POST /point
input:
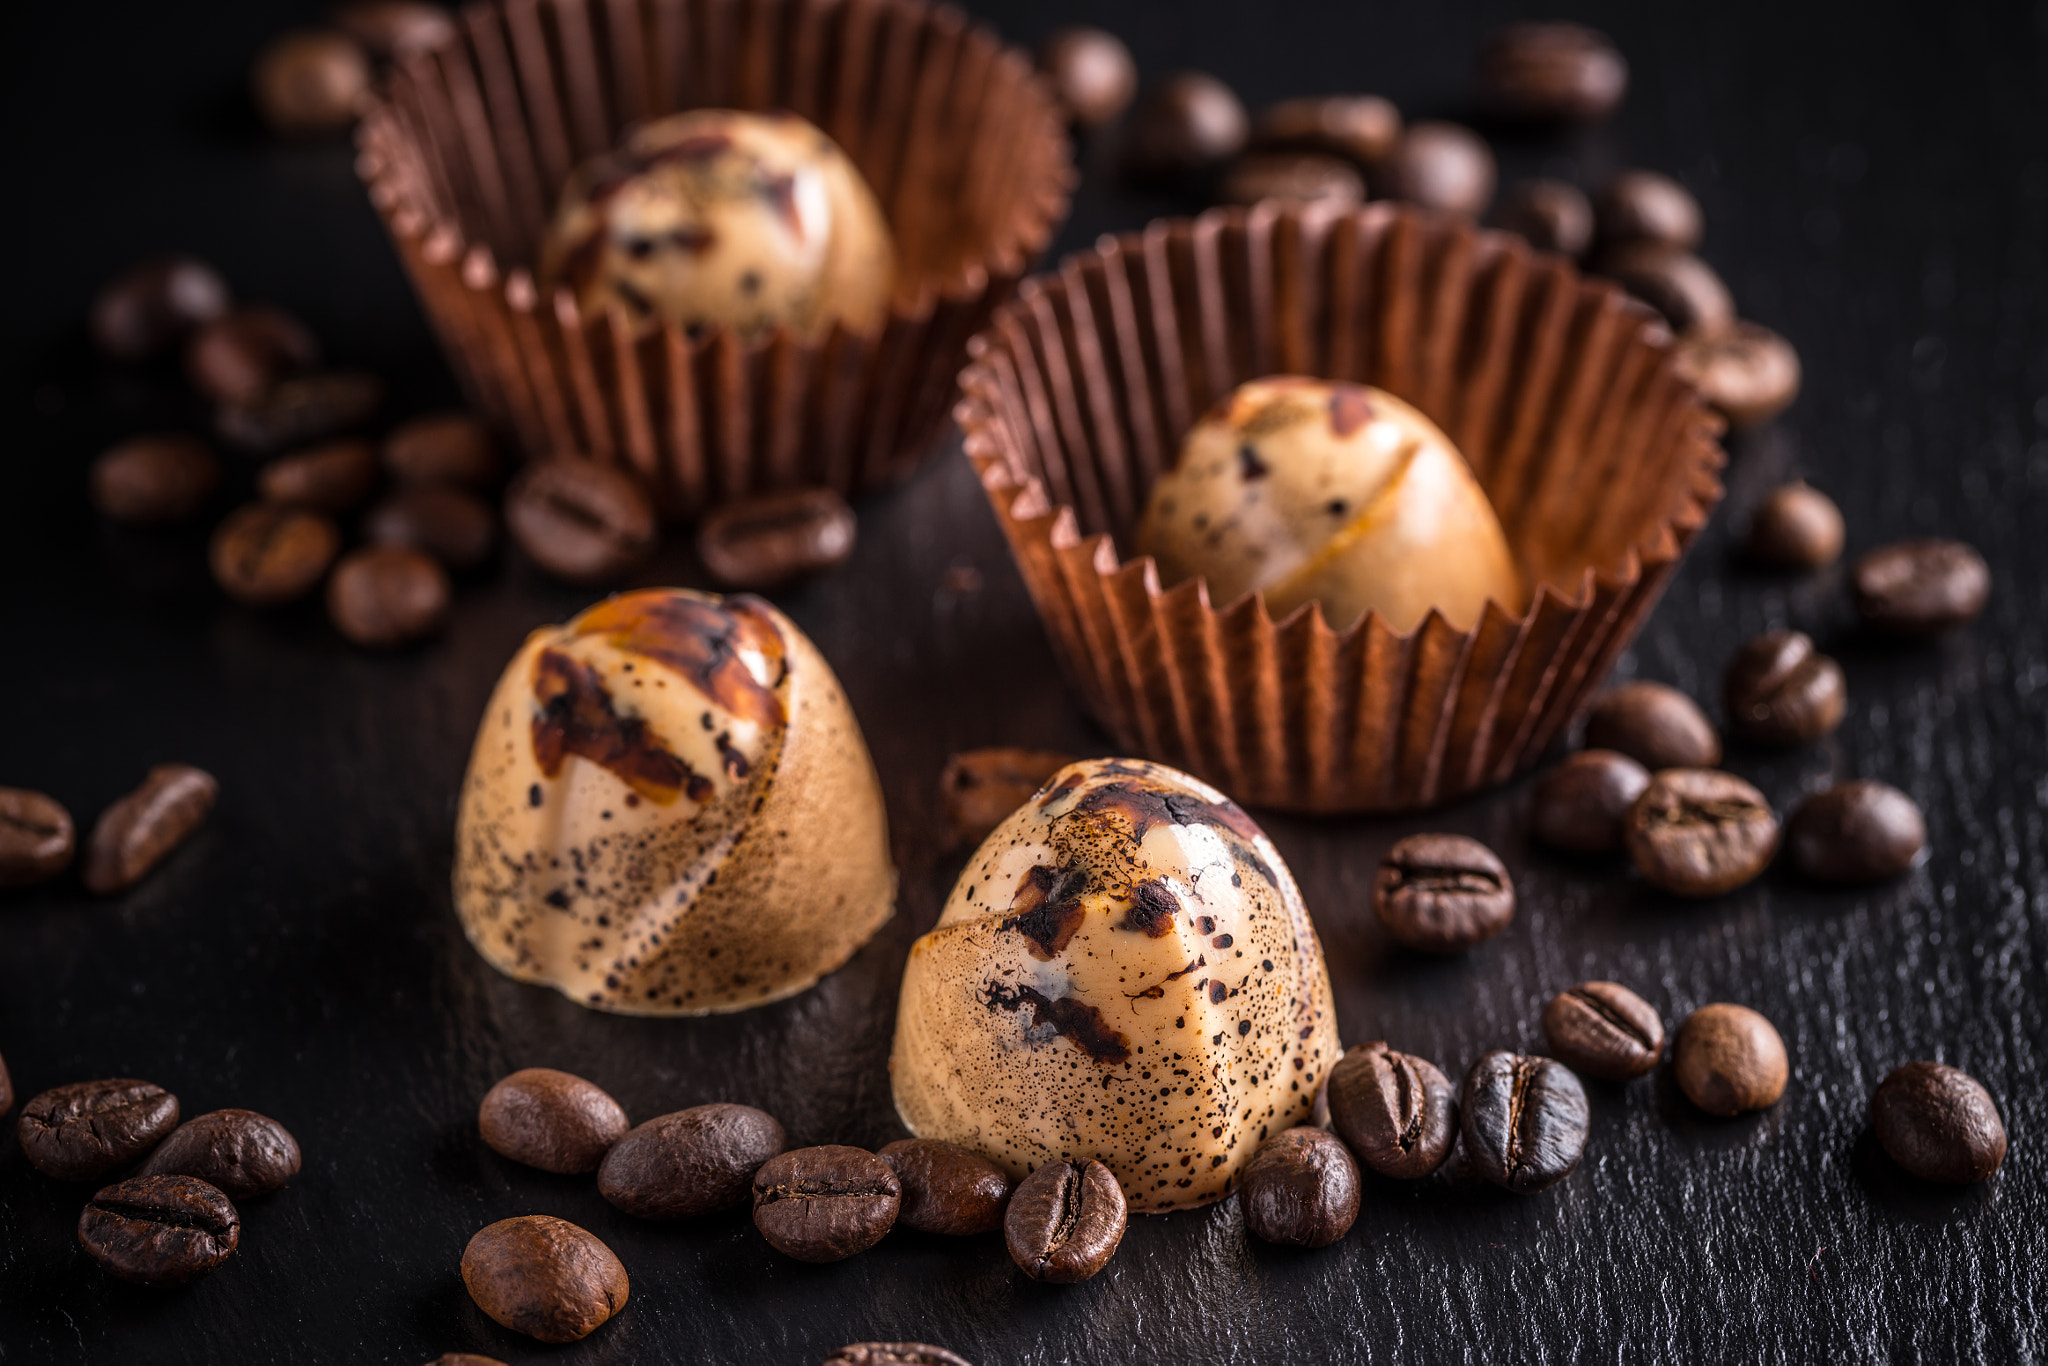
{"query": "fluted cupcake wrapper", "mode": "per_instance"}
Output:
(467, 149)
(1601, 463)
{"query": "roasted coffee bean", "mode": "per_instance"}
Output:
(243, 354)
(1604, 1030)
(159, 1230)
(242, 1153)
(385, 596)
(1298, 177)
(464, 1359)
(1920, 588)
(580, 521)
(455, 527)
(553, 1120)
(1443, 893)
(299, 412)
(151, 480)
(1580, 805)
(1749, 373)
(1550, 214)
(395, 28)
(825, 1204)
(1065, 1221)
(1729, 1059)
(335, 476)
(544, 1277)
(264, 554)
(895, 1354)
(1185, 126)
(83, 1131)
(1361, 128)
(1856, 832)
(1551, 72)
(981, 787)
(1700, 832)
(1656, 725)
(1939, 1123)
(1440, 166)
(689, 1163)
(138, 832)
(1685, 290)
(37, 840)
(149, 307)
(1396, 1111)
(1797, 527)
(308, 83)
(1645, 206)
(1299, 1189)
(6, 1089)
(1780, 690)
(1091, 73)
(947, 1188)
(765, 542)
(1524, 1121)
(442, 448)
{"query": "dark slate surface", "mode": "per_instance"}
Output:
(1876, 183)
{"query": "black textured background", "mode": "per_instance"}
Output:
(1876, 186)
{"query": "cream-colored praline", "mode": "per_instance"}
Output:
(1319, 491)
(1124, 972)
(670, 810)
(718, 217)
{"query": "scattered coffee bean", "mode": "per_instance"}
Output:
(159, 1230)
(455, 527)
(1300, 1188)
(443, 448)
(308, 83)
(1856, 832)
(1580, 805)
(1524, 1121)
(544, 1277)
(1440, 166)
(138, 832)
(1396, 1111)
(1065, 1221)
(265, 555)
(242, 1153)
(1750, 373)
(1550, 214)
(1299, 177)
(1091, 72)
(1939, 1123)
(1604, 1030)
(464, 1359)
(37, 840)
(1920, 588)
(83, 1131)
(1443, 893)
(1656, 725)
(981, 787)
(947, 1188)
(1184, 127)
(689, 1163)
(553, 1120)
(6, 1089)
(1797, 527)
(827, 1203)
(580, 521)
(1551, 72)
(895, 1354)
(385, 596)
(241, 355)
(1685, 290)
(1780, 690)
(149, 307)
(1645, 206)
(335, 476)
(1729, 1059)
(1360, 128)
(1700, 832)
(152, 480)
(765, 542)
(395, 28)
(299, 412)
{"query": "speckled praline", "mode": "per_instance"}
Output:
(670, 810)
(1124, 972)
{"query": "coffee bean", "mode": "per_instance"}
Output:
(1939, 1123)
(385, 596)
(553, 1120)
(982, 787)
(1920, 588)
(1729, 1059)
(689, 1163)
(1604, 1030)
(1065, 1221)
(1797, 527)
(139, 831)
(895, 1354)
(159, 1230)
(83, 1131)
(1780, 690)
(1856, 832)
(1397, 1112)
(307, 83)
(827, 1203)
(1700, 832)
(544, 1277)
(1091, 73)
(455, 527)
(151, 480)
(1300, 1189)
(1298, 177)
(265, 555)
(947, 1188)
(1440, 166)
(1360, 128)
(1550, 214)
(1551, 72)
(1443, 893)
(37, 840)
(1580, 805)
(1644, 206)
(1657, 726)
(395, 28)
(580, 521)
(335, 476)
(1185, 126)
(242, 355)
(6, 1089)
(1750, 373)
(298, 412)
(1684, 290)
(149, 307)
(464, 1359)
(443, 448)
(242, 1153)
(1524, 1121)
(765, 542)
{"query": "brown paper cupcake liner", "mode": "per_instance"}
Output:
(1602, 464)
(467, 149)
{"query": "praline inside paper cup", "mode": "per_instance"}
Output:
(469, 145)
(1602, 464)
